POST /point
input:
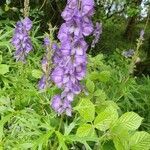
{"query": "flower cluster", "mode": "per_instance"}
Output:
(70, 59)
(21, 39)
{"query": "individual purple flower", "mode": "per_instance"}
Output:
(42, 83)
(97, 33)
(21, 39)
(46, 41)
(128, 54)
(70, 58)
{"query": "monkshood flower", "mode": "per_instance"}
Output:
(47, 64)
(128, 54)
(96, 34)
(21, 39)
(70, 58)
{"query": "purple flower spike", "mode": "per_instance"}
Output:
(46, 65)
(21, 40)
(70, 59)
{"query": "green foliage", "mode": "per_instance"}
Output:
(86, 109)
(4, 69)
(107, 115)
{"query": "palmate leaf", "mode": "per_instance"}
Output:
(140, 141)
(86, 109)
(130, 121)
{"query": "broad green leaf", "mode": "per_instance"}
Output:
(90, 86)
(102, 105)
(106, 118)
(140, 141)
(37, 73)
(120, 143)
(85, 130)
(4, 69)
(86, 109)
(129, 121)
(104, 76)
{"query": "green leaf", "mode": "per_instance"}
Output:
(85, 130)
(1, 59)
(90, 86)
(120, 143)
(104, 120)
(108, 145)
(104, 76)
(86, 109)
(2, 123)
(94, 75)
(61, 140)
(4, 69)
(140, 141)
(7, 8)
(129, 121)
(37, 73)
(102, 105)
(101, 94)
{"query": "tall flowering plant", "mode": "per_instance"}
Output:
(70, 59)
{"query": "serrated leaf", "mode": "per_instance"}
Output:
(104, 76)
(104, 120)
(37, 73)
(86, 109)
(140, 141)
(120, 143)
(101, 106)
(129, 121)
(85, 130)
(4, 69)
(90, 86)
